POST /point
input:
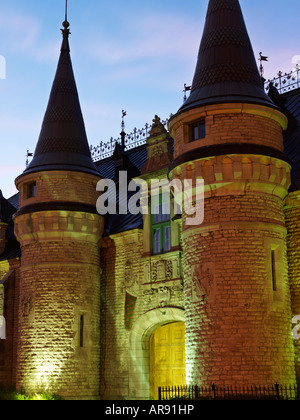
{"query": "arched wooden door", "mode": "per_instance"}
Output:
(167, 357)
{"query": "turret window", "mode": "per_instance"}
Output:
(197, 130)
(30, 190)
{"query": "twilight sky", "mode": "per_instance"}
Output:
(132, 55)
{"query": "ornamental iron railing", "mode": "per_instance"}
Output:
(213, 392)
(285, 82)
(133, 140)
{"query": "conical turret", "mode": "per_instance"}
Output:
(62, 143)
(59, 230)
(230, 135)
(226, 69)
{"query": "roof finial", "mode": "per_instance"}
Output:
(66, 24)
(66, 31)
(66, 14)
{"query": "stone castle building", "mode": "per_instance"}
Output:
(114, 306)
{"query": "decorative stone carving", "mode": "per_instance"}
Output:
(203, 285)
(147, 273)
(175, 268)
(158, 269)
(147, 296)
(163, 296)
(158, 147)
(161, 270)
(157, 128)
(129, 275)
(28, 309)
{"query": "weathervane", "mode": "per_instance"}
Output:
(261, 67)
(124, 113)
(185, 90)
(27, 157)
(123, 134)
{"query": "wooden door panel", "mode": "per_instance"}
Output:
(167, 357)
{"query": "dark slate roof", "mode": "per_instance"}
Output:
(226, 70)
(12, 247)
(62, 143)
(107, 168)
(137, 157)
(12, 250)
(122, 222)
(291, 105)
(14, 200)
(6, 209)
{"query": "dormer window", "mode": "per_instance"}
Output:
(30, 190)
(197, 130)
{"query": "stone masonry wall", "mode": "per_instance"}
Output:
(237, 296)
(115, 356)
(60, 186)
(154, 283)
(230, 123)
(292, 215)
(8, 346)
(58, 342)
(49, 352)
(3, 227)
(238, 328)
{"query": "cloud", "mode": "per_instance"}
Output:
(23, 34)
(7, 170)
(19, 124)
(154, 36)
(21, 31)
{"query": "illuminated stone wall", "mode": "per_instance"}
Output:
(154, 286)
(59, 305)
(3, 227)
(4, 267)
(238, 317)
(230, 123)
(8, 348)
(292, 213)
(114, 336)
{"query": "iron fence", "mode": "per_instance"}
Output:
(133, 140)
(187, 392)
(284, 82)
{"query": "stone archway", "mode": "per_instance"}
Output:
(139, 369)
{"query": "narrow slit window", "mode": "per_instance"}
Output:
(273, 269)
(81, 331)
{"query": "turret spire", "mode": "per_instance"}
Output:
(226, 70)
(66, 12)
(62, 143)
